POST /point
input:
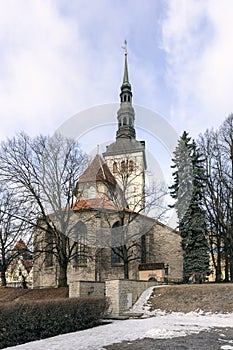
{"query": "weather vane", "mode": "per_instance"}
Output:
(125, 47)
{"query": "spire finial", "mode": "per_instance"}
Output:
(124, 47)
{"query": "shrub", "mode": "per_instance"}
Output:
(26, 321)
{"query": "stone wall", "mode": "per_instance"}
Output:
(123, 294)
(86, 288)
(164, 246)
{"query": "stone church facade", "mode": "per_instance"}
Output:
(112, 227)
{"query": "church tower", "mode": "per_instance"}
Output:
(126, 156)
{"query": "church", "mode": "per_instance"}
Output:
(116, 239)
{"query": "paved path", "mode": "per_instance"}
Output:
(214, 339)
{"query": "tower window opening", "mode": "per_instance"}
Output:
(128, 98)
(131, 165)
(124, 121)
(125, 98)
(123, 166)
(91, 192)
(114, 168)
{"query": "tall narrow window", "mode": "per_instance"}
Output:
(114, 168)
(131, 165)
(48, 261)
(116, 243)
(123, 166)
(81, 251)
(124, 121)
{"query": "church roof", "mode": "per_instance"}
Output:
(20, 245)
(94, 204)
(124, 146)
(97, 171)
(101, 204)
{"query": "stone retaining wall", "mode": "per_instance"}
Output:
(85, 288)
(124, 293)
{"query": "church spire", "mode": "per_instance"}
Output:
(125, 114)
(126, 74)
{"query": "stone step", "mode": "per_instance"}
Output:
(133, 314)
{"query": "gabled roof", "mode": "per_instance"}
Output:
(97, 171)
(20, 245)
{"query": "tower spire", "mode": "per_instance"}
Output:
(125, 114)
(126, 74)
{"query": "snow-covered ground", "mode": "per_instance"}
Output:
(153, 325)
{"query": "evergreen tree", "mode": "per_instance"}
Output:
(187, 190)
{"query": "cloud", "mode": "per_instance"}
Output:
(58, 58)
(199, 52)
(35, 47)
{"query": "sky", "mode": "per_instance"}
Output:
(59, 58)
(61, 68)
(155, 324)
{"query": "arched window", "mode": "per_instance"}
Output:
(128, 98)
(48, 249)
(125, 98)
(80, 257)
(116, 243)
(114, 168)
(124, 121)
(131, 165)
(123, 166)
(91, 192)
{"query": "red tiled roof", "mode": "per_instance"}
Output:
(94, 203)
(97, 171)
(20, 245)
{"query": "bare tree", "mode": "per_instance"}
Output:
(45, 170)
(217, 148)
(131, 204)
(12, 229)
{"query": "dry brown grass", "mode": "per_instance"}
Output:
(187, 298)
(8, 294)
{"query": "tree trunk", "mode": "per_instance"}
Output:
(126, 262)
(3, 278)
(231, 266)
(126, 270)
(226, 267)
(219, 266)
(62, 277)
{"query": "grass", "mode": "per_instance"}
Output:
(183, 298)
(8, 294)
(187, 298)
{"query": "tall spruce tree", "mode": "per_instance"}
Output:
(187, 190)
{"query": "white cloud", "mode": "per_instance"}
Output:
(197, 41)
(58, 58)
(35, 63)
